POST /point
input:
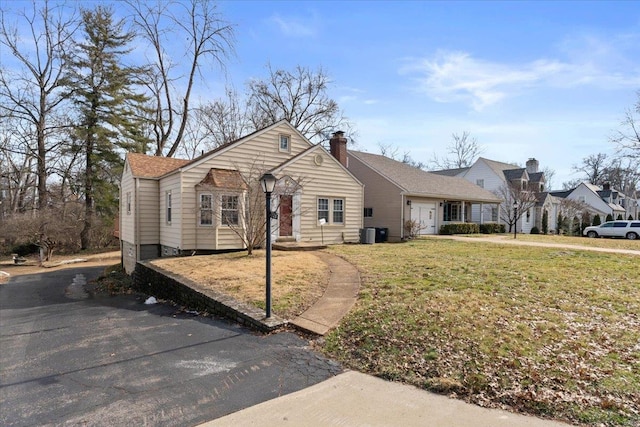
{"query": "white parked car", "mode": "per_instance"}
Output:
(628, 229)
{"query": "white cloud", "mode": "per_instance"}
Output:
(295, 27)
(599, 62)
(458, 77)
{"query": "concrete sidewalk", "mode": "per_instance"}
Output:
(337, 300)
(356, 399)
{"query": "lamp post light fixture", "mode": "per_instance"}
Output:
(268, 183)
(515, 219)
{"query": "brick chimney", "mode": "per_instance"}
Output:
(338, 146)
(532, 165)
(606, 186)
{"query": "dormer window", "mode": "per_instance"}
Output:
(285, 145)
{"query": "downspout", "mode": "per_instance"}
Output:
(120, 228)
(402, 217)
(137, 221)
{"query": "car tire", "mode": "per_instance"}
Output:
(592, 234)
(632, 236)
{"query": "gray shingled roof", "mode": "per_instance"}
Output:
(416, 182)
(513, 174)
(499, 166)
(450, 172)
(536, 176)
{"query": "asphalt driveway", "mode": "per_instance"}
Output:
(70, 359)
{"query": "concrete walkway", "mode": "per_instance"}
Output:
(356, 399)
(337, 300)
(511, 241)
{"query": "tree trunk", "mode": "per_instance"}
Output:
(85, 234)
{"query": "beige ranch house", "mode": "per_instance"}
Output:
(396, 193)
(172, 207)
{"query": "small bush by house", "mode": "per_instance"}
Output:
(460, 228)
(492, 228)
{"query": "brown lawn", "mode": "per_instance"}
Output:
(298, 279)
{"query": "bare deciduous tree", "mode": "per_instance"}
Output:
(246, 217)
(629, 137)
(298, 96)
(512, 193)
(223, 121)
(209, 39)
(463, 151)
(33, 93)
(622, 173)
(549, 174)
(593, 167)
(573, 210)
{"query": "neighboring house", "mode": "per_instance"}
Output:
(171, 206)
(601, 201)
(395, 193)
(492, 176)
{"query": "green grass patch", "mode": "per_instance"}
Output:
(578, 241)
(552, 332)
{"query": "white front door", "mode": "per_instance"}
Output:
(425, 215)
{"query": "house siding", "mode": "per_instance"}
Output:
(148, 217)
(127, 222)
(591, 199)
(252, 158)
(383, 196)
(313, 178)
(169, 232)
(491, 182)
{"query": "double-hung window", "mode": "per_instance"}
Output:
(331, 210)
(323, 209)
(338, 211)
(206, 209)
(229, 210)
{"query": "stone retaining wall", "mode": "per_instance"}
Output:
(163, 284)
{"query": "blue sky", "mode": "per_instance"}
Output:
(549, 80)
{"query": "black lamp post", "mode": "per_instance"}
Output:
(515, 219)
(268, 183)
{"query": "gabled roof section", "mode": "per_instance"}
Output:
(499, 167)
(562, 193)
(221, 149)
(223, 178)
(308, 152)
(536, 177)
(451, 172)
(144, 166)
(297, 157)
(591, 187)
(514, 174)
(416, 182)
